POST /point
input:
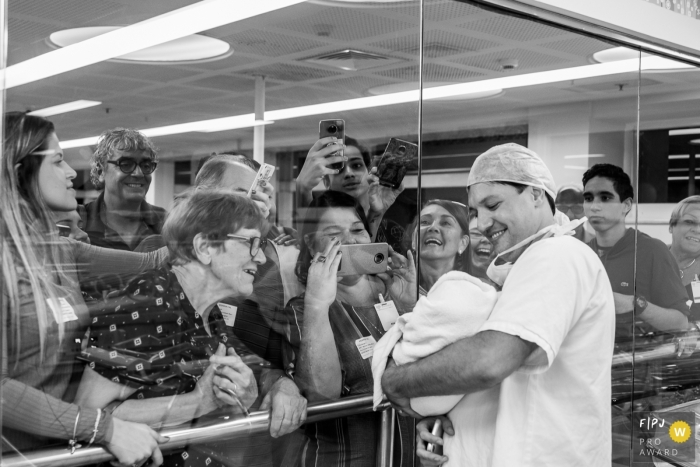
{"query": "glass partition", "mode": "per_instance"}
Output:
(181, 181)
(170, 112)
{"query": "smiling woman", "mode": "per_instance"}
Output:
(685, 245)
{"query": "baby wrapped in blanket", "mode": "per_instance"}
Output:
(456, 307)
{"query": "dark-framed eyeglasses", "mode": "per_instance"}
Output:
(128, 165)
(256, 243)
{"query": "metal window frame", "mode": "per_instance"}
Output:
(591, 27)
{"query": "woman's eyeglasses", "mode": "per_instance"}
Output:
(256, 243)
(127, 165)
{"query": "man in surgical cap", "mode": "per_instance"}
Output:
(548, 342)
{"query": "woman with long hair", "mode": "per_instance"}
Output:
(44, 315)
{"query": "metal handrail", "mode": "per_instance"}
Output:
(257, 422)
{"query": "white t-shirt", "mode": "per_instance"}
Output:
(554, 411)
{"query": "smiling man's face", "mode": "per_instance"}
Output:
(504, 216)
(126, 187)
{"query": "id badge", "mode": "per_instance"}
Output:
(388, 314)
(229, 313)
(695, 286)
(365, 345)
(67, 312)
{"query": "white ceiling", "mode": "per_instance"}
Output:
(462, 43)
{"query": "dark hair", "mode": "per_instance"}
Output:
(212, 171)
(309, 225)
(213, 213)
(363, 150)
(520, 188)
(620, 180)
(461, 213)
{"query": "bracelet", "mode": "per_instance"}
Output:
(73, 443)
(97, 424)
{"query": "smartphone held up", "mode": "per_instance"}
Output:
(392, 166)
(335, 128)
(263, 175)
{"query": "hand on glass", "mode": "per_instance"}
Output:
(381, 197)
(287, 407)
(424, 436)
(232, 374)
(322, 280)
(134, 443)
(400, 280)
(316, 164)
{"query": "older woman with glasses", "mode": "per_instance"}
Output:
(684, 226)
(172, 327)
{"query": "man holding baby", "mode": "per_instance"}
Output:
(548, 341)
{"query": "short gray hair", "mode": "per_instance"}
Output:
(212, 171)
(680, 207)
(123, 139)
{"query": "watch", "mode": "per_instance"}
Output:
(640, 303)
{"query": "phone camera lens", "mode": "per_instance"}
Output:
(378, 258)
(401, 150)
(332, 129)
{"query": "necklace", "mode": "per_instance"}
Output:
(683, 269)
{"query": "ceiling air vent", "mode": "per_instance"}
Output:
(352, 60)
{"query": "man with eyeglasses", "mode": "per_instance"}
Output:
(122, 166)
(655, 292)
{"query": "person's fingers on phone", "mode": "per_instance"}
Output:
(328, 150)
(333, 254)
(278, 239)
(319, 144)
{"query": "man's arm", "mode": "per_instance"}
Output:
(663, 319)
(469, 365)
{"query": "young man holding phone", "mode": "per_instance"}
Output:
(354, 179)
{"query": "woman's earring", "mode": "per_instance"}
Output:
(459, 252)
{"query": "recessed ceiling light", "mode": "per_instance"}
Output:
(64, 108)
(413, 85)
(650, 63)
(185, 21)
(192, 48)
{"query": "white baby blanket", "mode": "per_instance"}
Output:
(456, 307)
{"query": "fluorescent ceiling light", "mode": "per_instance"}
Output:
(686, 131)
(476, 87)
(413, 85)
(64, 108)
(694, 141)
(203, 126)
(650, 62)
(192, 48)
(584, 156)
(233, 126)
(200, 16)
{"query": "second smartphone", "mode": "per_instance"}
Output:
(335, 128)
